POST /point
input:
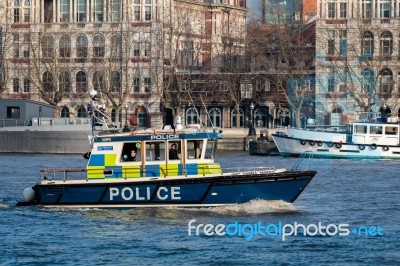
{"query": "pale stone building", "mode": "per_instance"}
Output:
(57, 51)
(357, 61)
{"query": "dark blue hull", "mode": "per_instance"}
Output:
(198, 192)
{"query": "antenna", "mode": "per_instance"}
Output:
(209, 118)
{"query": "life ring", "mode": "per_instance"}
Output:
(373, 146)
(312, 143)
(361, 147)
(319, 143)
(330, 144)
(303, 142)
(338, 145)
(385, 148)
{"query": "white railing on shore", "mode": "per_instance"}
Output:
(8, 122)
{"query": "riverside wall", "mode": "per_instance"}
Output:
(77, 142)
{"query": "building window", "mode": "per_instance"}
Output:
(367, 44)
(16, 87)
(147, 10)
(81, 11)
(192, 116)
(141, 118)
(343, 10)
(65, 46)
(147, 84)
(81, 81)
(331, 84)
(47, 46)
(115, 10)
(81, 46)
(385, 9)
(13, 112)
(64, 10)
(136, 84)
(343, 43)
(223, 85)
(386, 43)
(234, 116)
(186, 53)
(331, 42)
(64, 81)
(82, 112)
(331, 10)
(385, 82)
(116, 46)
(47, 81)
(136, 44)
(17, 11)
(116, 81)
(27, 85)
(16, 45)
(65, 112)
(27, 11)
(367, 9)
(98, 10)
(246, 90)
(98, 80)
(98, 46)
(367, 81)
(336, 116)
(215, 117)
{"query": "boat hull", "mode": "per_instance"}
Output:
(183, 192)
(294, 147)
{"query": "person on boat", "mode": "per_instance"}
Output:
(131, 157)
(173, 152)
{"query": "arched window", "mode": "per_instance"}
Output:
(116, 81)
(65, 112)
(98, 46)
(48, 46)
(81, 46)
(65, 46)
(64, 80)
(367, 44)
(48, 81)
(282, 117)
(192, 116)
(234, 117)
(215, 117)
(98, 81)
(386, 43)
(336, 116)
(116, 46)
(385, 81)
(81, 81)
(368, 81)
(82, 112)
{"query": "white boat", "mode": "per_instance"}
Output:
(371, 137)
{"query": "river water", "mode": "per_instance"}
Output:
(360, 195)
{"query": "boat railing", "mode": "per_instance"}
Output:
(328, 128)
(243, 170)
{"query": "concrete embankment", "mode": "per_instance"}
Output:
(77, 142)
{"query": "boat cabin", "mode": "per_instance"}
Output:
(153, 154)
(375, 133)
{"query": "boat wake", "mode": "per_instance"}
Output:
(251, 208)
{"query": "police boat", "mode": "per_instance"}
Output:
(165, 167)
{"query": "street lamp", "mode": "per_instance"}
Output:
(126, 127)
(252, 131)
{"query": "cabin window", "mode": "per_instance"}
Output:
(174, 150)
(194, 148)
(361, 129)
(155, 151)
(210, 150)
(131, 152)
(391, 130)
(376, 130)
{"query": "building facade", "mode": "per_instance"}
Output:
(358, 55)
(128, 51)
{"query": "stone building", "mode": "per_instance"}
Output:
(357, 65)
(128, 51)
